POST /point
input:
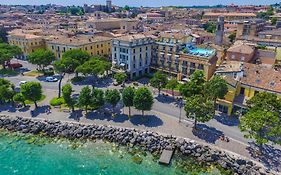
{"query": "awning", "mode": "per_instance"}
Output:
(122, 64)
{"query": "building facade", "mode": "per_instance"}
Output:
(178, 56)
(28, 42)
(94, 45)
(132, 54)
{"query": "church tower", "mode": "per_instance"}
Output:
(220, 31)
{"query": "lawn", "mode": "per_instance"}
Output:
(34, 73)
(31, 102)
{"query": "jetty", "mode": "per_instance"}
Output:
(166, 156)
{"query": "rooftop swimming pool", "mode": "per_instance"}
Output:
(199, 51)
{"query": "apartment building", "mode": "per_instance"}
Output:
(244, 81)
(177, 55)
(94, 45)
(240, 52)
(210, 16)
(26, 40)
(132, 54)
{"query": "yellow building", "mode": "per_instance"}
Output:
(177, 55)
(94, 45)
(26, 40)
(244, 81)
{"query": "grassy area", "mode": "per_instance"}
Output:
(176, 89)
(34, 73)
(57, 101)
(31, 102)
(6, 72)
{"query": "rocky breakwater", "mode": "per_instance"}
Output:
(150, 140)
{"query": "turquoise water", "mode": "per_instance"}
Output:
(202, 51)
(29, 155)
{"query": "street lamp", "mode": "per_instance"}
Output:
(180, 106)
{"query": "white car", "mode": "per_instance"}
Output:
(22, 82)
(51, 79)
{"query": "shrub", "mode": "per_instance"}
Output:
(57, 101)
(49, 73)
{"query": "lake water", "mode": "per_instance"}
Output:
(34, 155)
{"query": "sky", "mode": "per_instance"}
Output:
(151, 3)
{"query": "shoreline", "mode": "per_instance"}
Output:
(152, 141)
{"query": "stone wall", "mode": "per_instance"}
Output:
(150, 140)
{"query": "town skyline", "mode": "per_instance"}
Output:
(146, 3)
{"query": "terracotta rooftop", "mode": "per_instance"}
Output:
(130, 38)
(263, 77)
(230, 14)
(241, 48)
(76, 40)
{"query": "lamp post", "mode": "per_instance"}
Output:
(180, 106)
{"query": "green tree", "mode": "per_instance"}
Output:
(74, 58)
(7, 52)
(32, 91)
(199, 108)
(41, 57)
(112, 97)
(6, 94)
(262, 122)
(126, 7)
(128, 98)
(159, 81)
(97, 99)
(273, 21)
(120, 77)
(84, 98)
(195, 85)
(18, 97)
(172, 84)
(61, 68)
(67, 96)
(143, 99)
(232, 37)
(210, 27)
(216, 88)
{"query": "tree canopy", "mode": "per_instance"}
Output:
(97, 99)
(32, 91)
(7, 52)
(128, 97)
(67, 96)
(201, 95)
(112, 97)
(84, 98)
(262, 122)
(120, 77)
(71, 59)
(172, 84)
(143, 99)
(41, 57)
(159, 80)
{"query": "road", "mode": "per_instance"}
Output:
(163, 105)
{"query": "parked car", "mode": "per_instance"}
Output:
(22, 82)
(51, 79)
(14, 65)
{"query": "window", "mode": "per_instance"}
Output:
(134, 50)
(140, 49)
(91, 47)
(146, 48)
(114, 48)
(97, 46)
(101, 45)
(98, 52)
